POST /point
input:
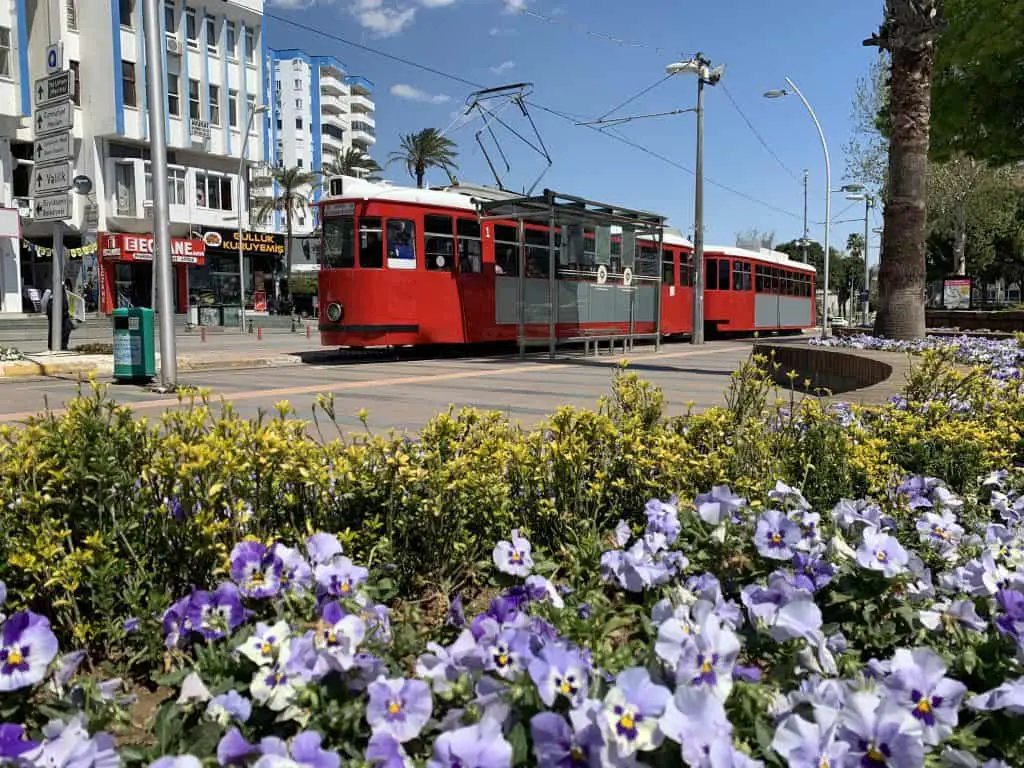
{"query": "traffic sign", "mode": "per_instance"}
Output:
(53, 208)
(54, 119)
(54, 58)
(56, 87)
(47, 179)
(51, 149)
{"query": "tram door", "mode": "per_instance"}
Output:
(476, 291)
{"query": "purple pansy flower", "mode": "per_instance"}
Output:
(718, 506)
(559, 671)
(514, 557)
(663, 518)
(176, 622)
(708, 657)
(229, 706)
(322, 548)
(776, 536)
(341, 577)
(557, 745)
(480, 746)
(880, 733)
(632, 709)
(399, 708)
(881, 552)
(216, 614)
(1009, 696)
(28, 647)
(305, 752)
(805, 744)
(295, 574)
(695, 718)
(177, 761)
(811, 572)
(255, 570)
(507, 653)
(69, 745)
(918, 681)
(384, 751)
(14, 741)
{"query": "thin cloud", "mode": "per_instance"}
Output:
(505, 66)
(437, 3)
(381, 19)
(411, 93)
(501, 32)
(515, 6)
(292, 5)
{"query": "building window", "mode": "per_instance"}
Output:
(250, 103)
(127, 8)
(193, 100)
(124, 187)
(175, 185)
(250, 47)
(298, 162)
(298, 123)
(72, 11)
(211, 34)
(128, 84)
(5, 52)
(213, 191)
(232, 43)
(77, 96)
(173, 94)
(298, 84)
(298, 103)
(279, 124)
(233, 108)
(214, 104)
(191, 30)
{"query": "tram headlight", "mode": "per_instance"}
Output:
(335, 312)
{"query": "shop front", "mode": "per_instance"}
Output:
(126, 270)
(215, 287)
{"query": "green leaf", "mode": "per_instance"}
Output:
(520, 746)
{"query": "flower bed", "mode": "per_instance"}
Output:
(662, 593)
(10, 355)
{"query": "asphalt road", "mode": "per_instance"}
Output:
(404, 394)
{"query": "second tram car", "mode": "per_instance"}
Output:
(405, 267)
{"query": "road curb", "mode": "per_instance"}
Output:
(24, 369)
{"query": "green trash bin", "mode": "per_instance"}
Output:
(134, 348)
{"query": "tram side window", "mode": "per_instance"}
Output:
(685, 269)
(740, 276)
(668, 270)
(647, 260)
(471, 259)
(506, 250)
(401, 243)
(339, 243)
(723, 275)
(438, 242)
(537, 253)
(759, 279)
(371, 243)
(711, 275)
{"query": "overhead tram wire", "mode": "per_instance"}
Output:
(621, 42)
(634, 97)
(535, 105)
(760, 138)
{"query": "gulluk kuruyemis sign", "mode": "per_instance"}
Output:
(225, 242)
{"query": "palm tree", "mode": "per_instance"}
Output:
(289, 196)
(424, 150)
(909, 32)
(353, 162)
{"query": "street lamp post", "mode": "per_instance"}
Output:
(860, 192)
(778, 93)
(700, 66)
(259, 110)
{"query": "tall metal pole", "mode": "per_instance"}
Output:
(828, 204)
(57, 288)
(157, 80)
(697, 337)
(804, 240)
(241, 222)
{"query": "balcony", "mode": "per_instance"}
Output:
(333, 138)
(360, 104)
(331, 103)
(363, 132)
(332, 81)
(359, 85)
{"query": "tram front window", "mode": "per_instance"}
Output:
(339, 243)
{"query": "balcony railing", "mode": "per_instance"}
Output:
(363, 127)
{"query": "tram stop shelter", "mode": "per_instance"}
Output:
(585, 272)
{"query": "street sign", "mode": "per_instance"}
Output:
(47, 179)
(54, 58)
(56, 87)
(54, 119)
(51, 149)
(54, 208)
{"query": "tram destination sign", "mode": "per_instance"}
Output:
(53, 88)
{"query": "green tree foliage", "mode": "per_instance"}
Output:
(425, 150)
(290, 196)
(352, 162)
(977, 98)
(867, 151)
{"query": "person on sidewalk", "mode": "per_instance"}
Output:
(66, 325)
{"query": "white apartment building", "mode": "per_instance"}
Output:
(15, 103)
(319, 112)
(214, 56)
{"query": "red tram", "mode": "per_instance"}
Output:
(403, 266)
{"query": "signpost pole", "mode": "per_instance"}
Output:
(161, 210)
(57, 288)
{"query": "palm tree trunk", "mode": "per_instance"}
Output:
(960, 239)
(901, 279)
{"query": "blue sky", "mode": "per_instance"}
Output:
(560, 47)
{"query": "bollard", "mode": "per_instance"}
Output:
(293, 323)
(308, 332)
(259, 333)
(251, 326)
(202, 334)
